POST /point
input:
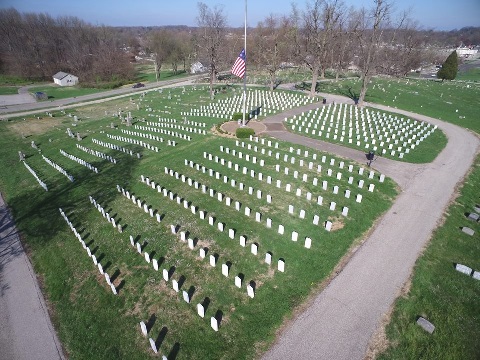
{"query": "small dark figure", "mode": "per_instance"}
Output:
(370, 157)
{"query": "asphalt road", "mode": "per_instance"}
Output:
(7, 109)
(341, 320)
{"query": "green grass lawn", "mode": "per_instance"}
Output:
(439, 293)
(146, 73)
(470, 75)
(94, 323)
(55, 92)
(8, 90)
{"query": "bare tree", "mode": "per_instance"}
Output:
(162, 45)
(372, 26)
(271, 46)
(321, 20)
(212, 23)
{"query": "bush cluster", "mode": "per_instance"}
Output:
(244, 132)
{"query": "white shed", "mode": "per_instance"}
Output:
(64, 79)
(197, 68)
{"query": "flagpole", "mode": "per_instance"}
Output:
(245, 77)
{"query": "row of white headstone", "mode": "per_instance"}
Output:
(411, 134)
(148, 209)
(299, 152)
(42, 184)
(288, 187)
(105, 214)
(257, 100)
(97, 153)
(153, 344)
(191, 245)
(58, 168)
(203, 216)
(295, 173)
(258, 215)
(89, 253)
(112, 146)
(145, 135)
(388, 124)
(226, 180)
(79, 160)
(163, 131)
(180, 127)
(133, 141)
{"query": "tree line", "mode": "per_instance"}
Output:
(37, 46)
(326, 35)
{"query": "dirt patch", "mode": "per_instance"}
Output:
(232, 126)
(379, 341)
(32, 126)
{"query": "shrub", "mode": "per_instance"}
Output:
(239, 116)
(244, 132)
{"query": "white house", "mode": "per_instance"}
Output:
(197, 68)
(64, 79)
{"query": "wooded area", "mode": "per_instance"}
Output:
(326, 35)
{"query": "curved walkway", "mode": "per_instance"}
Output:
(340, 320)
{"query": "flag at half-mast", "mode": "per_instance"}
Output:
(238, 68)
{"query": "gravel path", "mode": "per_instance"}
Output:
(340, 320)
(26, 332)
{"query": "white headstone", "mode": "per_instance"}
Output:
(214, 323)
(250, 291)
(213, 260)
(143, 328)
(200, 310)
(281, 265)
(225, 270)
(186, 297)
(268, 258)
(308, 242)
(328, 225)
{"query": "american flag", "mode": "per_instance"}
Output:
(238, 68)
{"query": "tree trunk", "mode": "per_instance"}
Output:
(212, 75)
(272, 80)
(314, 82)
(363, 90)
(322, 73)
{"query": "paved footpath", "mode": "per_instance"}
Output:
(340, 321)
(26, 332)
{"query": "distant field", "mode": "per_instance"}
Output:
(146, 73)
(470, 75)
(8, 90)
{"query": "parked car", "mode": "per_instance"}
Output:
(138, 85)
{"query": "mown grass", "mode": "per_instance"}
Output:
(439, 293)
(469, 75)
(452, 101)
(92, 322)
(146, 73)
(55, 92)
(8, 90)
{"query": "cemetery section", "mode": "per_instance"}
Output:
(208, 241)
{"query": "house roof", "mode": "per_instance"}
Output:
(60, 75)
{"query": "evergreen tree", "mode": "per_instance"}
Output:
(449, 67)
